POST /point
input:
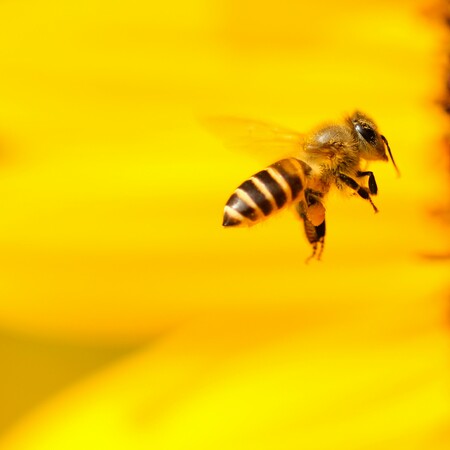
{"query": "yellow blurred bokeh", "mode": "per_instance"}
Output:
(129, 318)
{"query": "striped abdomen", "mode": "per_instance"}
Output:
(266, 192)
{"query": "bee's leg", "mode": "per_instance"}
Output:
(314, 234)
(373, 188)
(362, 192)
(316, 237)
(315, 210)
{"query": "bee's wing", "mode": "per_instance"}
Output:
(266, 140)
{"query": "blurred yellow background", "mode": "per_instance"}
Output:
(129, 318)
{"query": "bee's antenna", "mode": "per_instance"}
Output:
(390, 154)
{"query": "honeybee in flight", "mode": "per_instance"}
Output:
(333, 155)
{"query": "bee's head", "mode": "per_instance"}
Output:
(373, 145)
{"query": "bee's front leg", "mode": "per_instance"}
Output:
(362, 192)
(373, 188)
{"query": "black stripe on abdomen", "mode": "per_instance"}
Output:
(238, 204)
(289, 172)
(257, 196)
(273, 187)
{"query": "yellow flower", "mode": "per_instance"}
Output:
(112, 198)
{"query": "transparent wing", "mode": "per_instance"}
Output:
(264, 139)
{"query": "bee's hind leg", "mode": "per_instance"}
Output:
(316, 237)
(314, 234)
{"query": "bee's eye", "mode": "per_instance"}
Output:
(367, 133)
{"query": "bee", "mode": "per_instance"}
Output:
(331, 156)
